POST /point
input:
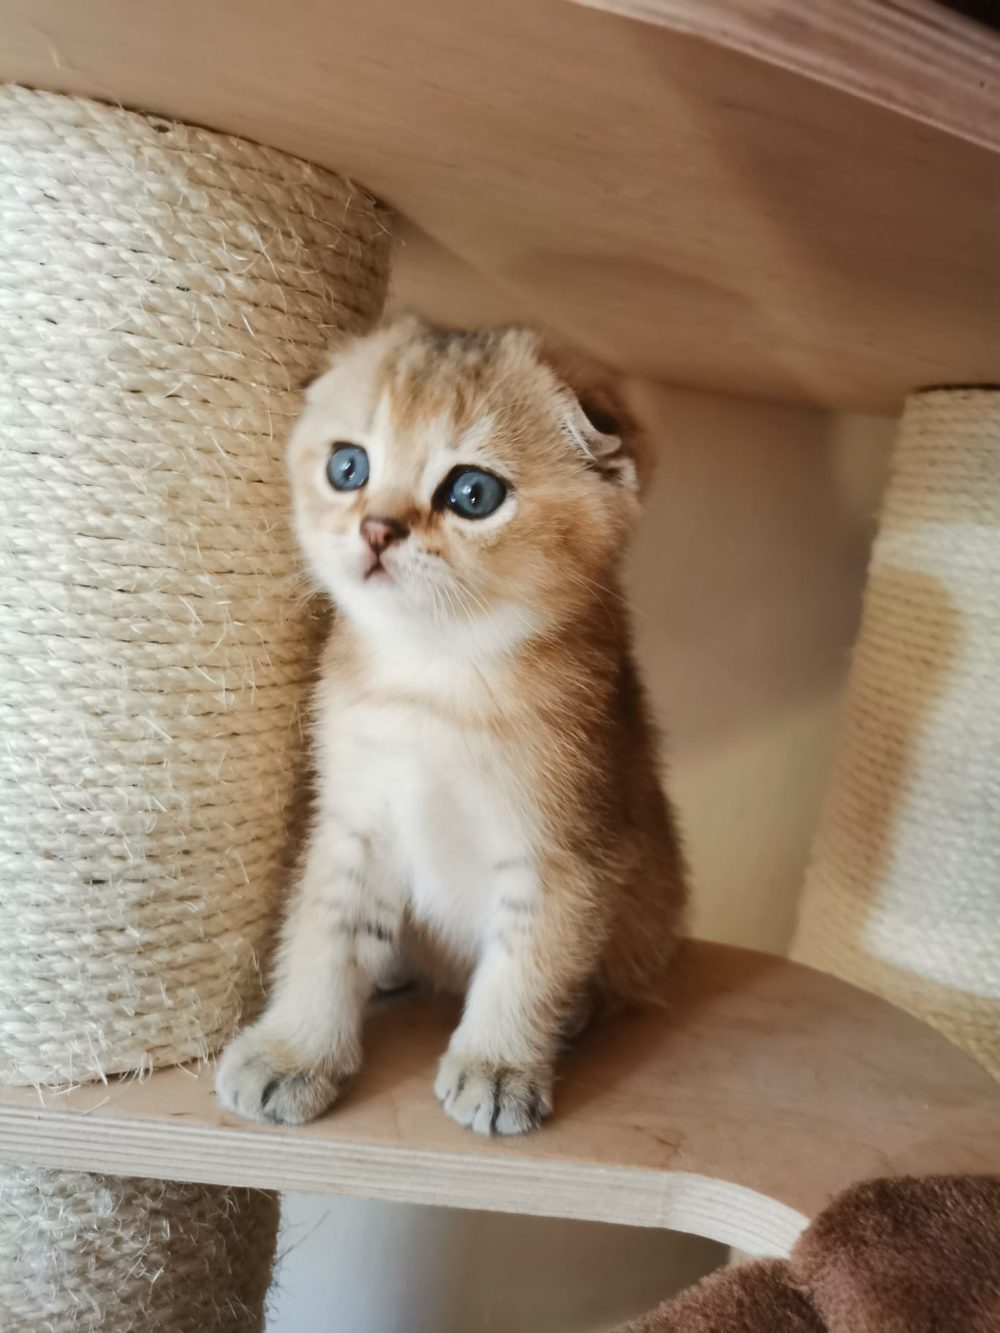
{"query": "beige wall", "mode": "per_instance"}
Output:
(747, 578)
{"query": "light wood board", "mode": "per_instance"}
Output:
(694, 214)
(762, 1091)
(915, 56)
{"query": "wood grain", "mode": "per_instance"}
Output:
(763, 1090)
(914, 56)
(691, 212)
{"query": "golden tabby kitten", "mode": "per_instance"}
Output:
(488, 801)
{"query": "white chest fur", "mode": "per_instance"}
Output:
(442, 806)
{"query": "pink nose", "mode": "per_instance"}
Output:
(380, 533)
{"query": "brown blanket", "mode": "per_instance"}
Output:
(888, 1256)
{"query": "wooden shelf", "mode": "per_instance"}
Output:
(716, 199)
(917, 57)
(763, 1090)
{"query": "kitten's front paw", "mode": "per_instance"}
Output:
(260, 1077)
(493, 1098)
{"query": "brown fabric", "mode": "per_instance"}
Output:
(888, 1256)
(907, 1256)
(757, 1298)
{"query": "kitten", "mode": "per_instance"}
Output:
(488, 800)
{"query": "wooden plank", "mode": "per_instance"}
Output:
(914, 56)
(763, 1090)
(686, 210)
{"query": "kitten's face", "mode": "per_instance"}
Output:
(455, 479)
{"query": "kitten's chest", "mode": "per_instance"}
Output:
(447, 801)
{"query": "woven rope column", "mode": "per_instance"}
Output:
(903, 893)
(162, 291)
(83, 1252)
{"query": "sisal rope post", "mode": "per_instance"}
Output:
(903, 893)
(93, 1252)
(163, 289)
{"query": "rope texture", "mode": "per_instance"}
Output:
(88, 1254)
(903, 893)
(163, 289)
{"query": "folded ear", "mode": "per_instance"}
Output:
(597, 419)
(306, 381)
(326, 361)
(601, 432)
(388, 330)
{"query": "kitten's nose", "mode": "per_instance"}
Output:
(382, 532)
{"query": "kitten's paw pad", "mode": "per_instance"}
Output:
(259, 1077)
(493, 1098)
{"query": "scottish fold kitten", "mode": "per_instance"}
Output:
(488, 802)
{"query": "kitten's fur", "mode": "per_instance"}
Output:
(488, 799)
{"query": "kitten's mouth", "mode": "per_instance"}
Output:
(376, 570)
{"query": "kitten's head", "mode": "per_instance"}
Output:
(463, 478)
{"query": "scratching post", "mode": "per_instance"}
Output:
(162, 291)
(90, 1252)
(903, 893)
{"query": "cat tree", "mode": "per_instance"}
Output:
(903, 894)
(163, 290)
(825, 236)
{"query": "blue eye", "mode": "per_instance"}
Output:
(473, 493)
(347, 469)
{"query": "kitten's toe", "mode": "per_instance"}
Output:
(260, 1077)
(493, 1098)
(397, 976)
